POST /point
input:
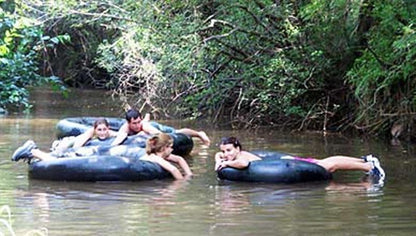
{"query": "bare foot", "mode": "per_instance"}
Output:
(204, 137)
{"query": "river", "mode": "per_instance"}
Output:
(347, 205)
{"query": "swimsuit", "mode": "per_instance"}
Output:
(306, 159)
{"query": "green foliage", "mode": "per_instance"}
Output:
(384, 76)
(20, 44)
(242, 48)
(303, 64)
(157, 55)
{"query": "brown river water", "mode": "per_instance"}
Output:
(347, 205)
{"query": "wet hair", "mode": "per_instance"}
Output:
(157, 142)
(132, 114)
(231, 140)
(100, 121)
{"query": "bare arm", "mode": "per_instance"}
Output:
(148, 128)
(121, 135)
(241, 162)
(165, 165)
(181, 162)
(81, 139)
(219, 158)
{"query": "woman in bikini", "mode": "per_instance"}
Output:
(232, 155)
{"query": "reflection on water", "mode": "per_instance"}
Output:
(347, 205)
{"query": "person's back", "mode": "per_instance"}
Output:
(159, 150)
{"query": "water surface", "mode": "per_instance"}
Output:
(348, 205)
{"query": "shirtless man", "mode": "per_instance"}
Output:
(135, 124)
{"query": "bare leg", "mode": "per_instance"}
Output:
(62, 145)
(334, 163)
(193, 133)
(41, 155)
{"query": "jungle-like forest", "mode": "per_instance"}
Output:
(327, 65)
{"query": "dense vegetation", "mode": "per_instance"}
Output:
(22, 43)
(327, 64)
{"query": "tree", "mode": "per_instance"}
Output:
(21, 43)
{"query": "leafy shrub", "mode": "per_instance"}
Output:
(21, 43)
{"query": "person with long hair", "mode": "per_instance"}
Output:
(159, 150)
(29, 149)
(232, 155)
(100, 130)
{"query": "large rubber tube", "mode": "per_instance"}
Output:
(182, 143)
(97, 168)
(134, 140)
(74, 126)
(272, 169)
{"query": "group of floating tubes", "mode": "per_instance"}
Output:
(182, 144)
(101, 166)
(127, 166)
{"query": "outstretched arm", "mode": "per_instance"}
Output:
(181, 162)
(164, 164)
(193, 133)
(169, 167)
(148, 128)
(239, 164)
(121, 135)
(81, 139)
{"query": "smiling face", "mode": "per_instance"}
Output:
(102, 131)
(230, 152)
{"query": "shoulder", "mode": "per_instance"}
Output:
(151, 157)
(145, 157)
(249, 156)
(146, 124)
(123, 128)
